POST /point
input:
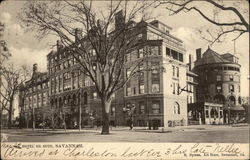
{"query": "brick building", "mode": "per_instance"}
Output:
(160, 92)
(34, 99)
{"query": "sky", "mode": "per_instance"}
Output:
(27, 49)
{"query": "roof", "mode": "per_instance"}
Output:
(211, 57)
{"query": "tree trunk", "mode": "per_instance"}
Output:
(53, 122)
(33, 119)
(65, 127)
(105, 116)
(10, 115)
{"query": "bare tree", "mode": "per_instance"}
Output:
(108, 37)
(4, 54)
(11, 80)
(237, 22)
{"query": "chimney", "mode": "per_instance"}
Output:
(59, 45)
(198, 53)
(34, 68)
(119, 19)
(78, 34)
(190, 62)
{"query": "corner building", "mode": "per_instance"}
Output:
(158, 92)
(218, 89)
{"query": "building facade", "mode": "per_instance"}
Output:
(34, 99)
(218, 89)
(159, 93)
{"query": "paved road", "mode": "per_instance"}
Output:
(219, 135)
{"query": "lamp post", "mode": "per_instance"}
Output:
(129, 109)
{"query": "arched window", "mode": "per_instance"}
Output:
(60, 102)
(56, 103)
(85, 98)
(64, 100)
(232, 99)
(176, 108)
(74, 102)
(239, 100)
(69, 100)
(52, 103)
(213, 113)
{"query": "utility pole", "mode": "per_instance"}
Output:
(80, 112)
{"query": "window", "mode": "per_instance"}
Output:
(60, 83)
(155, 77)
(128, 92)
(174, 54)
(181, 57)
(155, 50)
(231, 77)
(141, 74)
(128, 72)
(156, 107)
(34, 101)
(221, 114)
(207, 113)
(173, 88)
(65, 64)
(219, 88)
(141, 108)
(134, 90)
(141, 88)
(67, 81)
(239, 88)
(44, 101)
(191, 99)
(214, 113)
(112, 113)
(155, 88)
(177, 71)
(173, 67)
(140, 53)
(218, 78)
(231, 87)
(94, 95)
(232, 99)
(139, 36)
(39, 100)
(176, 108)
(168, 51)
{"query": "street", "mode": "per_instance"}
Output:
(203, 134)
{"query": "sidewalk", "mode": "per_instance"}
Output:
(127, 129)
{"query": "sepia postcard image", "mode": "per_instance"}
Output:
(123, 79)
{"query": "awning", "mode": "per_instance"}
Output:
(234, 108)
